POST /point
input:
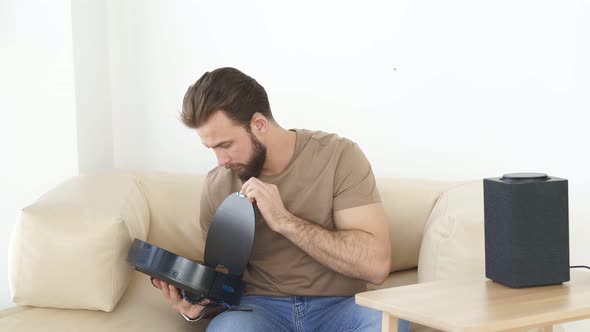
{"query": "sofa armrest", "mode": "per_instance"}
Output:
(68, 249)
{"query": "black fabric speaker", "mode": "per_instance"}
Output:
(526, 230)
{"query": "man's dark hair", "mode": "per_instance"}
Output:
(229, 90)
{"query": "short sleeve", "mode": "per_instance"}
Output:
(354, 182)
(206, 210)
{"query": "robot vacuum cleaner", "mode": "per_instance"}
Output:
(227, 250)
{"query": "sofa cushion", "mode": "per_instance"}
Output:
(173, 200)
(397, 279)
(142, 308)
(68, 249)
(453, 241)
(408, 203)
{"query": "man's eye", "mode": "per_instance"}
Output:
(226, 146)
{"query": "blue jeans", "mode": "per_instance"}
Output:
(299, 314)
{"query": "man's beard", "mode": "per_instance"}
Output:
(254, 166)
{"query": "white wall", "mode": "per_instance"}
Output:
(92, 78)
(37, 116)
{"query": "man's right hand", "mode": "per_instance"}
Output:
(172, 295)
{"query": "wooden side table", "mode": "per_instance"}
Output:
(482, 305)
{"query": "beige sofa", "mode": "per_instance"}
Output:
(67, 267)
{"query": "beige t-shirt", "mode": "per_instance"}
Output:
(327, 173)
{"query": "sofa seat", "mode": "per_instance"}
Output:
(141, 300)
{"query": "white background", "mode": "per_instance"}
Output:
(37, 110)
(429, 89)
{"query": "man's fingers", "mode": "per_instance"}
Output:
(245, 186)
(254, 188)
(165, 289)
(259, 194)
(250, 183)
(246, 190)
(157, 283)
(174, 294)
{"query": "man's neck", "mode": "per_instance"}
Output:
(280, 147)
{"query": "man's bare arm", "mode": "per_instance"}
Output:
(359, 247)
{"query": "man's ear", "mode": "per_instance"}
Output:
(259, 123)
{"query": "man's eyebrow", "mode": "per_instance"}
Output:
(218, 144)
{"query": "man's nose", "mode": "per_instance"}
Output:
(222, 158)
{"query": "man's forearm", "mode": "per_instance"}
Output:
(354, 253)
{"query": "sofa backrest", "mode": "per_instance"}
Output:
(89, 222)
(173, 200)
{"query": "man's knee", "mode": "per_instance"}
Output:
(226, 321)
(367, 319)
(243, 321)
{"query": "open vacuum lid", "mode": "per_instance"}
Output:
(229, 244)
(231, 235)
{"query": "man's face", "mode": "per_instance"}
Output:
(235, 147)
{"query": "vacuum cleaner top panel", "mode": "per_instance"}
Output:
(231, 235)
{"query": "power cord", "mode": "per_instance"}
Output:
(580, 266)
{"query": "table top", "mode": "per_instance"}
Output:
(479, 304)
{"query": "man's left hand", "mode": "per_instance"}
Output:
(269, 202)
